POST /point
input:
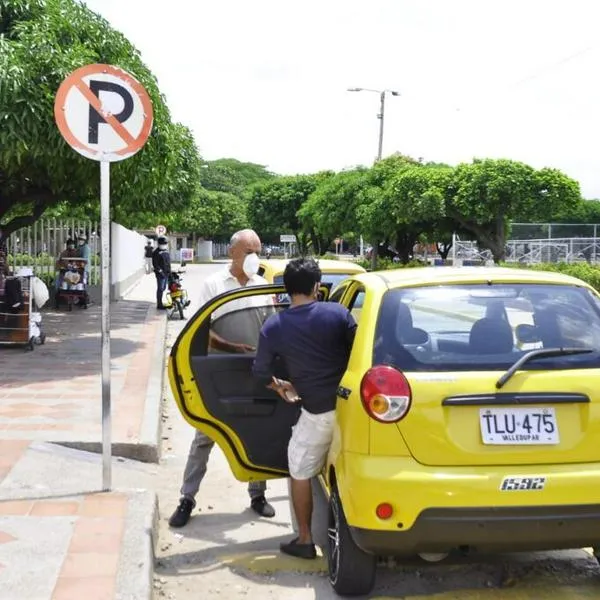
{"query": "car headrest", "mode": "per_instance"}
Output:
(491, 336)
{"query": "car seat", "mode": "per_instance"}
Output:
(546, 322)
(491, 336)
(405, 331)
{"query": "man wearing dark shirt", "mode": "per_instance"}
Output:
(161, 262)
(314, 341)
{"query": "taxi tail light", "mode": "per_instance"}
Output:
(385, 394)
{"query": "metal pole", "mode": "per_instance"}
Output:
(380, 116)
(105, 237)
(453, 249)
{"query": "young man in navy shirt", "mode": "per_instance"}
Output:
(314, 340)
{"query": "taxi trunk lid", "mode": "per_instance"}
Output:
(538, 417)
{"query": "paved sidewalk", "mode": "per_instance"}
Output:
(60, 537)
(54, 392)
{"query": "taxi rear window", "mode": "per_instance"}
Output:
(332, 278)
(486, 326)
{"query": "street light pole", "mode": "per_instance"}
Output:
(381, 117)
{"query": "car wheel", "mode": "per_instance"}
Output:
(351, 570)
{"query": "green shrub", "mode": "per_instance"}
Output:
(386, 264)
(584, 271)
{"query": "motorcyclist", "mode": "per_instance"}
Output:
(161, 263)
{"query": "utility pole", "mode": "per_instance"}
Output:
(381, 117)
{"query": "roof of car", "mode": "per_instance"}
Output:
(429, 275)
(328, 265)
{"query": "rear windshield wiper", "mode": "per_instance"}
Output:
(543, 353)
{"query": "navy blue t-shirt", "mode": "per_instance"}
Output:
(314, 341)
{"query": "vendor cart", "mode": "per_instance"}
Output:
(19, 322)
(71, 283)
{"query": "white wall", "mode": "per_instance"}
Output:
(127, 258)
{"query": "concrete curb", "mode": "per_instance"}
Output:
(135, 577)
(151, 429)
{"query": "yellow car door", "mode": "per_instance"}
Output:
(216, 392)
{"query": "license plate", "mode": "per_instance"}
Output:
(518, 426)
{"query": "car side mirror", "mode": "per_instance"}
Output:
(527, 334)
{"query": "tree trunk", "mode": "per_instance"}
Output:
(405, 243)
(374, 253)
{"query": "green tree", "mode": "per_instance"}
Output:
(231, 175)
(372, 213)
(273, 206)
(408, 206)
(485, 196)
(41, 42)
(211, 215)
(330, 210)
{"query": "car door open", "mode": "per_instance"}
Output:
(216, 391)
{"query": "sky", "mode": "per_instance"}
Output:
(266, 81)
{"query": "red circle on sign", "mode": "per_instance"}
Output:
(75, 80)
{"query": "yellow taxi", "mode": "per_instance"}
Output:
(334, 271)
(468, 417)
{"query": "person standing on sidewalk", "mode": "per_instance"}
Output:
(242, 271)
(148, 252)
(161, 262)
(314, 339)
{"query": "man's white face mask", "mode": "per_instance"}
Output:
(162, 246)
(251, 264)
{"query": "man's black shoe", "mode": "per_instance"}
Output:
(295, 548)
(161, 308)
(262, 507)
(182, 513)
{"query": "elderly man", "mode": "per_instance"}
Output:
(244, 249)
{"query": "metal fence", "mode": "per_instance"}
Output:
(538, 231)
(568, 250)
(39, 245)
(532, 251)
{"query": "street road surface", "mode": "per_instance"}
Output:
(225, 552)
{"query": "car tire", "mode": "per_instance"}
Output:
(351, 570)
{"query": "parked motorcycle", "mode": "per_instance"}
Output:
(177, 296)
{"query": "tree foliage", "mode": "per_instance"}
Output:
(231, 175)
(41, 42)
(211, 215)
(273, 206)
(484, 196)
(330, 210)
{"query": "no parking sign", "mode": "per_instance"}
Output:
(103, 113)
(106, 115)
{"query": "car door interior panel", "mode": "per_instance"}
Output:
(261, 419)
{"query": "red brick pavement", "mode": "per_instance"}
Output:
(54, 392)
(90, 565)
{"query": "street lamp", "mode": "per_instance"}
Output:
(381, 114)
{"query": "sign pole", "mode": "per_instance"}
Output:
(105, 237)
